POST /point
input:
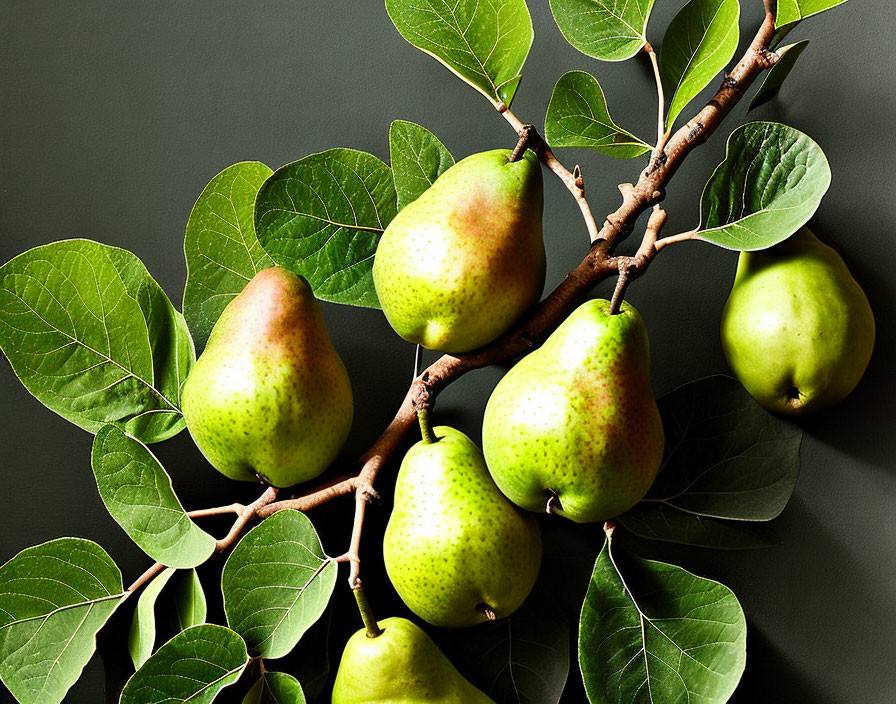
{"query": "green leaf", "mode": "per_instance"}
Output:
(277, 583)
(138, 494)
(777, 73)
(418, 159)
(94, 338)
(577, 116)
(54, 597)
(795, 10)
(193, 666)
(142, 636)
(189, 601)
(609, 30)
(653, 632)
(699, 42)
(275, 688)
(322, 217)
(484, 42)
(221, 249)
(770, 184)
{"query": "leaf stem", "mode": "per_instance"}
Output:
(662, 134)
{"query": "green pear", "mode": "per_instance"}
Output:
(574, 428)
(269, 397)
(455, 268)
(457, 552)
(400, 666)
(797, 329)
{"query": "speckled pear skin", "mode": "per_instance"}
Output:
(400, 666)
(269, 395)
(458, 266)
(453, 541)
(577, 417)
(797, 329)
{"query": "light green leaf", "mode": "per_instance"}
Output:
(657, 521)
(609, 30)
(277, 583)
(778, 73)
(577, 116)
(221, 249)
(795, 10)
(322, 217)
(484, 42)
(770, 184)
(418, 159)
(142, 636)
(275, 688)
(94, 338)
(699, 42)
(653, 632)
(54, 597)
(189, 601)
(138, 494)
(194, 667)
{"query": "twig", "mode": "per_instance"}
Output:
(662, 134)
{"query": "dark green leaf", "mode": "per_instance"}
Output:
(277, 583)
(653, 632)
(222, 251)
(93, 337)
(418, 158)
(484, 42)
(795, 10)
(777, 73)
(275, 688)
(609, 30)
(190, 601)
(194, 667)
(322, 217)
(138, 494)
(142, 636)
(770, 184)
(578, 117)
(700, 41)
(54, 598)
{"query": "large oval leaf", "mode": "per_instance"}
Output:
(484, 42)
(142, 636)
(770, 184)
(657, 521)
(577, 116)
(653, 632)
(94, 338)
(418, 159)
(275, 688)
(220, 246)
(322, 217)
(699, 42)
(790, 11)
(54, 598)
(138, 494)
(609, 30)
(277, 583)
(194, 667)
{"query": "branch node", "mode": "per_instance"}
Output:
(577, 177)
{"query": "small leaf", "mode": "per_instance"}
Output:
(795, 10)
(54, 597)
(138, 494)
(322, 217)
(577, 116)
(484, 42)
(609, 30)
(778, 73)
(275, 688)
(770, 184)
(193, 666)
(142, 636)
(189, 601)
(418, 159)
(699, 42)
(277, 583)
(653, 632)
(221, 249)
(94, 338)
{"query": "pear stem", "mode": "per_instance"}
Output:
(527, 134)
(373, 628)
(428, 436)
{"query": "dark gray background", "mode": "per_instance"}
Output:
(116, 115)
